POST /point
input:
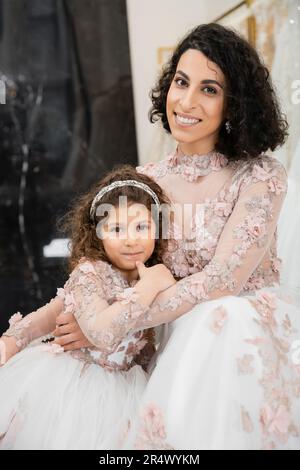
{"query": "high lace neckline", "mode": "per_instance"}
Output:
(190, 167)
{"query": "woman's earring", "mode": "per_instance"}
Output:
(228, 127)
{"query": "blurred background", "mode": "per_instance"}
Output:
(75, 77)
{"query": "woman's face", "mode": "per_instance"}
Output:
(196, 102)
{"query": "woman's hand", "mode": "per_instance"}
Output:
(158, 277)
(68, 333)
(8, 348)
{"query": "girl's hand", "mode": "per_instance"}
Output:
(159, 276)
(68, 333)
(8, 348)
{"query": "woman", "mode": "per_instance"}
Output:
(227, 376)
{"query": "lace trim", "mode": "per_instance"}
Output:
(189, 167)
(17, 328)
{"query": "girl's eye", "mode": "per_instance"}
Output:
(210, 90)
(116, 229)
(180, 82)
(142, 227)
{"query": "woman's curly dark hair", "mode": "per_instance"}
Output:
(251, 103)
(81, 229)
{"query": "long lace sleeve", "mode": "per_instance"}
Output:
(35, 324)
(105, 325)
(243, 243)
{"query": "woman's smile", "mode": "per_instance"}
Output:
(186, 120)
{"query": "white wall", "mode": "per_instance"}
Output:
(153, 24)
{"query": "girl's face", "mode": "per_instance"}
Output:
(196, 102)
(128, 235)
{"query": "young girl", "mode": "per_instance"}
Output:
(85, 398)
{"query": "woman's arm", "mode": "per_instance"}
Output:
(244, 242)
(104, 325)
(245, 239)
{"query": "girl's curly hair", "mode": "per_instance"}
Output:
(251, 103)
(82, 230)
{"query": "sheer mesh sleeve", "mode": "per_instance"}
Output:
(104, 325)
(244, 241)
(35, 324)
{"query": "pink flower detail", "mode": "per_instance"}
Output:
(189, 174)
(244, 364)
(172, 160)
(181, 269)
(223, 209)
(276, 186)
(87, 268)
(259, 341)
(82, 280)
(268, 299)
(246, 421)
(172, 245)
(152, 414)
(15, 318)
(275, 422)
(152, 433)
(256, 229)
(69, 298)
(127, 296)
(260, 173)
(217, 161)
(69, 302)
(255, 283)
(219, 318)
(276, 265)
(196, 287)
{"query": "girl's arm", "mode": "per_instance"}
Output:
(103, 325)
(24, 330)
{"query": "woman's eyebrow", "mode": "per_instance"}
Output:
(203, 82)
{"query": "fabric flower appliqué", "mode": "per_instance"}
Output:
(220, 317)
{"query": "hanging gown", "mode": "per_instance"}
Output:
(285, 72)
(227, 375)
(81, 399)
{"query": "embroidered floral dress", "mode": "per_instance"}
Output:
(228, 373)
(82, 399)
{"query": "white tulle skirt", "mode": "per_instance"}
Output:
(227, 377)
(51, 401)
